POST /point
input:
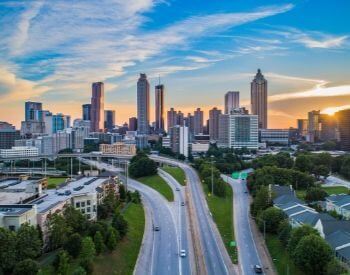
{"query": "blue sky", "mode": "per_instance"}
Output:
(51, 51)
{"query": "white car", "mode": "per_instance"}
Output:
(182, 253)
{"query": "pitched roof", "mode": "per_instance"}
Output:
(331, 226)
(338, 238)
(307, 217)
(286, 199)
(280, 190)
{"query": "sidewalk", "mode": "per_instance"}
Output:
(267, 264)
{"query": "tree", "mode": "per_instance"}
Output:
(261, 200)
(7, 250)
(315, 194)
(122, 192)
(272, 217)
(141, 167)
(73, 245)
(345, 168)
(313, 254)
(297, 234)
(27, 267)
(112, 239)
(28, 243)
(75, 219)
(58, 230)
(335, 268)
(303, 163)
(79, 271)
(219, 187)
(120, 224)
(284, 231)
(99, 244)
(63, 263)
(329, 145)
(87, 254)
(320, 170)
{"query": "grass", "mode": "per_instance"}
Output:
(53, 182)
(177, 173)
(221, 209)
(335, 190)
(157, 183)
(123, 259)
(280, 256)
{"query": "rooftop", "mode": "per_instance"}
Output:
(15, 209)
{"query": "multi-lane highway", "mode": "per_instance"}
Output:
(248, 255)
(217, 260)
(160, 249)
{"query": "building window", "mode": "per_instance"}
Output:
(88, 216)
(88, 209)
(83, 210)
(88, 202)
(77, 205)
(12, 228)
(94, 208)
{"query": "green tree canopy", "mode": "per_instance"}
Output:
(73, 245)
(297, 234)
(7, 250)
(272, 217)
(27, 267)
(28, 244)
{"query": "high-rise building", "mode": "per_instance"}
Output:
(86, 108)
(171, 118)
(33, 111)
(179, 139)
(258, 97)
(97, 107)
(180, 118)
(143, 105)
(8, 135)
(159, 108)
(109, 120)
(231, 101)
(329, 127)
(314, 126)
(213, 126)
(198, 121)
(238, 130)
(343, 118)
(302, 127)
(132, 124)
(55, 123)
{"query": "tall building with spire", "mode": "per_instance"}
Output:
(159, 108)
(143, 105)
(97, 107)
(258, 97)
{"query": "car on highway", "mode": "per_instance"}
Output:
(182, 253)
(183, 204)
(257, 269)
(177, 189)
(156, 228)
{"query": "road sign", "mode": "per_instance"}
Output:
(235, 175)
(232, 243)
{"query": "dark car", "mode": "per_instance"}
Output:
(257, 269)
(156, 228)
(183, 204)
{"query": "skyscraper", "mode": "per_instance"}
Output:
(143, 105)
(214, 123)
(33, 111)
(258, 97)
(180, 118)
(198, 121)
(8, 135)
(314, 126)
(231, 101)
(343, 118)
(159, 93)
(179, 139)
(132, 124)
(86, 111)
(171, 118)
(109, 119)
(97, 107)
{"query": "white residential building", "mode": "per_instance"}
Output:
(20, 151)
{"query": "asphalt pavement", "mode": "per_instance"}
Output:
(248, 255)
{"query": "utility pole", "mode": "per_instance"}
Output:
(127, 175)
(212, 176)
(71, 168)
(45, 169)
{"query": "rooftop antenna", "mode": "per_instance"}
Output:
(159, 79)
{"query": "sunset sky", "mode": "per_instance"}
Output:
(51, 51)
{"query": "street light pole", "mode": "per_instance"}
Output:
(212, 176)
(127, 175)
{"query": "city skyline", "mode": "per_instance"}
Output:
(304, 60)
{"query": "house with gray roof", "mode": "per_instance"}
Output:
(340, 204)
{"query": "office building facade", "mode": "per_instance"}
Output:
(109, 120)
(213, 126)
(198, 121)
(86, 111)
(258, 97)
(171, 118)
(159, 108)
(343, 118)
(231, 101)
(143, 105)
(238, 130)
(8, 135)
(97, 107)
(179, 140)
